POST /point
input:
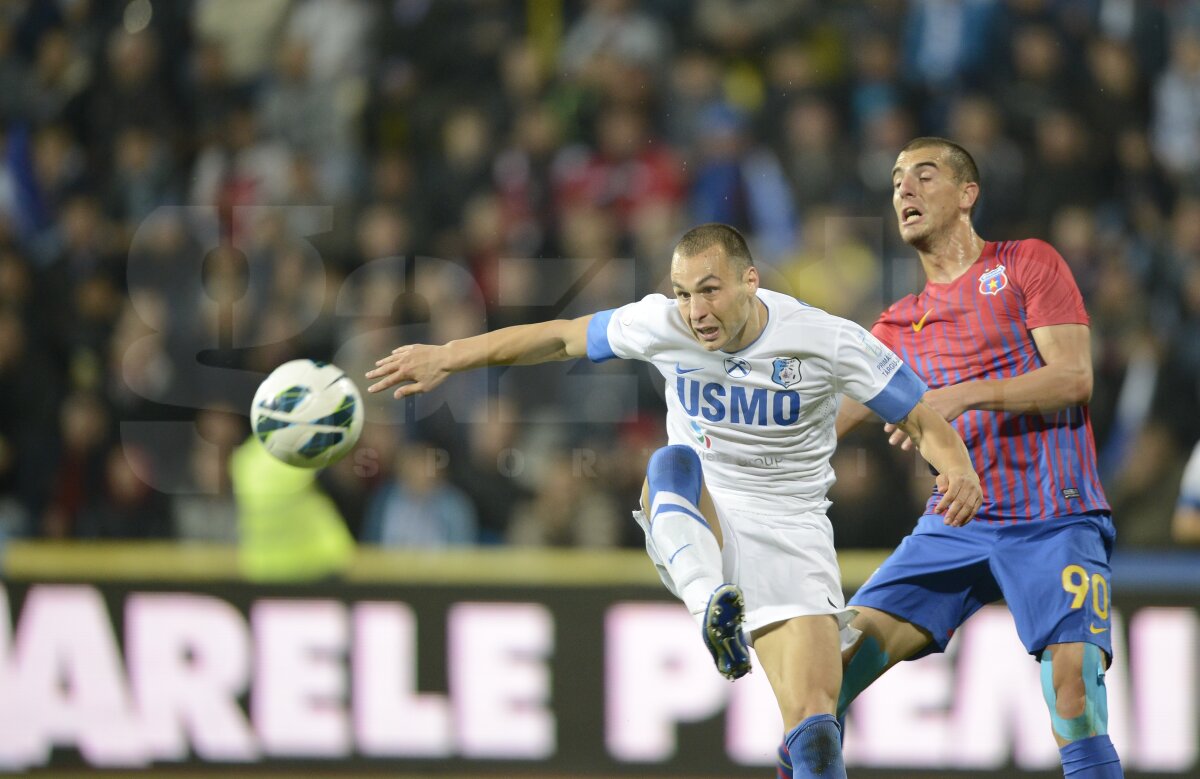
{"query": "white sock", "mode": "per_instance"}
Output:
(688, 549)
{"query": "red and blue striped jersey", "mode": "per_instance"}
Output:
(1031, 466)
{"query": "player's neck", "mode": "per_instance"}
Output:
(948, 256)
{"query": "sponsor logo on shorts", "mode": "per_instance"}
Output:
(1095, 629)
(1070, 492)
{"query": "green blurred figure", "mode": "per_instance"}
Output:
(290, 531)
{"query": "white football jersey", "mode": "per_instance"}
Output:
(761, 418)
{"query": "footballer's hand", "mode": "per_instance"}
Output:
(416, 367)
(961, 497)
(897, 437)
(948, 402)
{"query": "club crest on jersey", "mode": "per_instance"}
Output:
(737, 367)
(992, 281)
(785, 371)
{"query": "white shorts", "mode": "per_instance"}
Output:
(786, 566)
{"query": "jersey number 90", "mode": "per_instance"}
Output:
(1076, 582)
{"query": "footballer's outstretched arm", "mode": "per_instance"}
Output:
(851, 414)
(942, 447)
(421, 367)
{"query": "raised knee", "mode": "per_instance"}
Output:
(676, 458)
(799, 709)
(1073, 685)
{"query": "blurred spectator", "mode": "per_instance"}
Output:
(303, 112)
(877, 78)
(815, 154)
(334, 33)
(948, 48)
(126, 507)
(133, 92)
(975, 122)
(1177, 108)
(737, 26)
(241, 167)
(203, 509)
(741, 183)
(488, 470)
(246, 34)
(524, 182)
(78, 478)
(461, 168)
(1039, 82)
(567, 510)
(1185, 524)
(143, 176)
(1063, 171)
(833, 268)
(418, 507)
(1144, 493)
(613, 30)
(628, 171)
(31, 390)
(1117, 100)
(212, 96)
(693, 85)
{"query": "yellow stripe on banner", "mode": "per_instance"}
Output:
(173, 562)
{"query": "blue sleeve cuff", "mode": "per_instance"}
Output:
(1189, 501)
(902, 393)
(598, 347)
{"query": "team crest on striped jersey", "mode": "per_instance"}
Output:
(992, 281)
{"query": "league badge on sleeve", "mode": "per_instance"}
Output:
(785, 371)
(993, 280)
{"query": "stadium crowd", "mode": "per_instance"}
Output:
(192, 193)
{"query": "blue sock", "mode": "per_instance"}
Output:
(783, 762)
(1091, 758)
(867, 665)
(682, 537)
(674, 469)
(815, 746)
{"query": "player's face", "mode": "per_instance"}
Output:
(714, 298)
(925, 194)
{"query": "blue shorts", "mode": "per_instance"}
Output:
(1053, 573)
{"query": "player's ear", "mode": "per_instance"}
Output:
(750, 278)
(968, 194)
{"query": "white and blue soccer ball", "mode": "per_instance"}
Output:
(307, 413)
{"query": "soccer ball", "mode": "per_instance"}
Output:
(307, 413)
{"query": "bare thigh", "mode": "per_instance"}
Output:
(899, 638)
(707, 509)
(801, 660)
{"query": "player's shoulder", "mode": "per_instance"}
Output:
(1028, 251)
(652, 307)
(792, 314)
(788, 308)
(808, 329)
